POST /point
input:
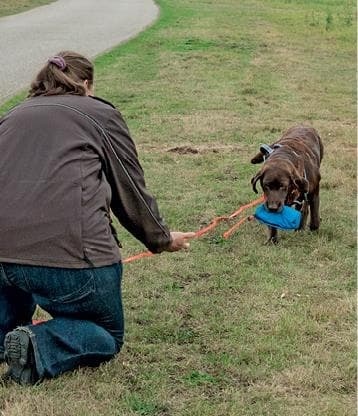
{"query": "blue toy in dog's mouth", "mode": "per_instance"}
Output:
(287, 219)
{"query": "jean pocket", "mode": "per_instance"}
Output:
(78, 294)
(58, 285)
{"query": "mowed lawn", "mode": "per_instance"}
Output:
(232, 327)
(9, 7)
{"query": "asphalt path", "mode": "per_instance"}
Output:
(89, 27)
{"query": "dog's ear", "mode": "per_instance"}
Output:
(255, 179)
(258, 158)
(300, 182)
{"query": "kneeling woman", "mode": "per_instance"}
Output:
(67, 161)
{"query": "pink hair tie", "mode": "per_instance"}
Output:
(59, 62)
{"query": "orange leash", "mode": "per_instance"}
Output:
(231, 231)
(249, 205)
(213, 224)
(138, 256)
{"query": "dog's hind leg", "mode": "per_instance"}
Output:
(314, 210)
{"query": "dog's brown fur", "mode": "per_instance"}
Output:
(292, 170)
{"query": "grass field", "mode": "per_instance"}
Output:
(233, 327)
(8, 7)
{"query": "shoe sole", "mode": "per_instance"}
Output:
(18, 357)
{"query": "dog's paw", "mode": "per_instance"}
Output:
(271, 240)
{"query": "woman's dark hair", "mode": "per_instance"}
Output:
(63, 74)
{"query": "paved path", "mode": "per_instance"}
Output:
(86, 26)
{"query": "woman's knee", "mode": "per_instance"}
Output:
(119, 341)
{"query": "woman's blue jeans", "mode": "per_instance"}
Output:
(86, 306)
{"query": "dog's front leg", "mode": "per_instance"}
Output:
(314, 208)
(273, 239)
(304, 213)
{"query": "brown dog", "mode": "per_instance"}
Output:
(290, 174)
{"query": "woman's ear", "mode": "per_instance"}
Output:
(255, 179)
(88, 87)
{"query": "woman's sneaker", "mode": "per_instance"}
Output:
(19, 356)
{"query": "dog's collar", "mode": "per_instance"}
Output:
(267, 150)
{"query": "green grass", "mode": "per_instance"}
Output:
(9, 7)
(232, 327)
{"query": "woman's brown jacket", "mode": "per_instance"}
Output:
(65, 163)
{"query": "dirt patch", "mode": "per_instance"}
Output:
(183, 150)
(191, 150)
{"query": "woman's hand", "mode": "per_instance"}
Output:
(179, 240)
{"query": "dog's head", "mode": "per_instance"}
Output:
(278, 180)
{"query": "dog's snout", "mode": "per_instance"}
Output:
(274, 206)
